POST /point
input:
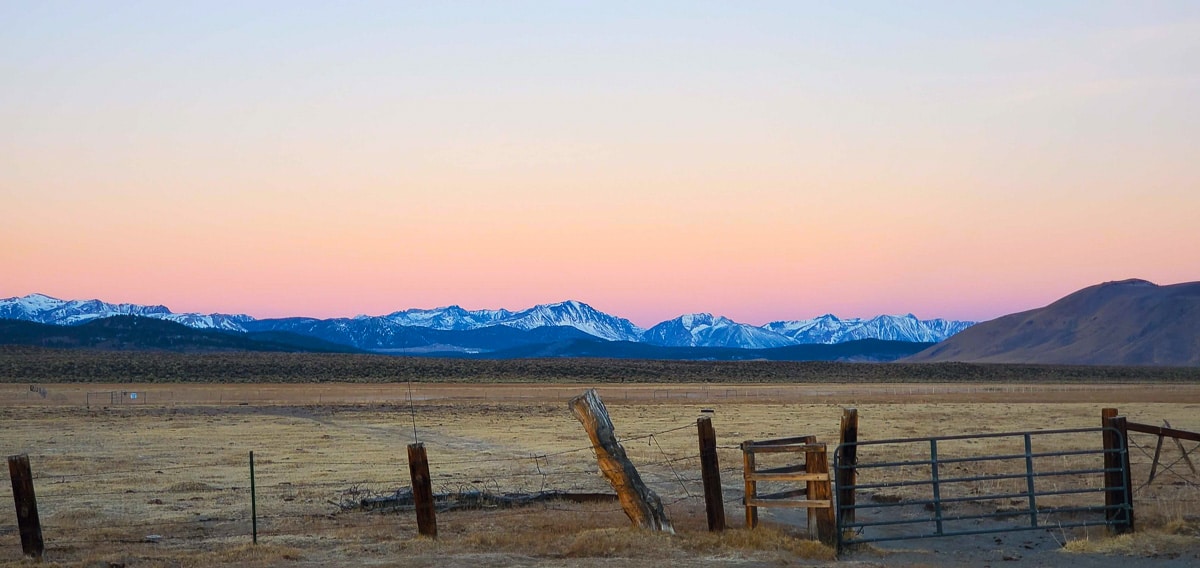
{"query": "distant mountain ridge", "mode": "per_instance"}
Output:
(1125, 323)
(863, 350)
(140, 333)
(705, 330)
(830, 329)
(41, 308)
(445, 329)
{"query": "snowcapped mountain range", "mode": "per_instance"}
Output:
(44, 309)
(705, 330)
(570, 314)
(455, 328)
(831, 329)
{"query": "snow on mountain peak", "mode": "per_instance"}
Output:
(706, 330)
(568, 313)
(829, 329)
(698, 329)
(45, 309)
(573, 313)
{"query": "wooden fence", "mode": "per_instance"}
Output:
(813, 471)
(132, 502)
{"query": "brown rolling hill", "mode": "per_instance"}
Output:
(1131, 322)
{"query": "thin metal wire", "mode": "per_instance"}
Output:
(412, 410)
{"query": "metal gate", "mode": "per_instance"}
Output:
(985, 483)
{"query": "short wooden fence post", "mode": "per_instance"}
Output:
(818, 490)
(27, 512)
(422, 488)
(710, 473)
(751, 484)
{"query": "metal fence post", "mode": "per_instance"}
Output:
(1033, 520)
(253, 502)
(937, 486)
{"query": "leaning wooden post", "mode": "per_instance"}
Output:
(27, 512)
(422, 488)
(847, 474)
(1179, 444)
(640, 503)
(821, 522)
(710, 473)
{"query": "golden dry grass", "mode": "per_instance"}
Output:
(108, 478)
(1147, 543)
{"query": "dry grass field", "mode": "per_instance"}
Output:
(163, 479)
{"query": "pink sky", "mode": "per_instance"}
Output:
(649, 166)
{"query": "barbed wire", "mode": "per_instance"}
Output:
(287, 501)
(1168, 468)
(155, 523)
(51, 475)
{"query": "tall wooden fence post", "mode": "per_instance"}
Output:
(27, 512)
(1118, 498)
(641, 504)
(847, 474)
(710, 473)
(821, 522)
(422, 488)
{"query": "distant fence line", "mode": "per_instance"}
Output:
(269, 394)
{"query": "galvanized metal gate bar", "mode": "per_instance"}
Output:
(849, 531)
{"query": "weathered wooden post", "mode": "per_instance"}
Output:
(847, 474)
(640, 503)
(1118, 499)
(1179, 444)
(821, 522)
(751, 484)
(1112, 477)
(27, 513)
(422, 488)
(710, 473)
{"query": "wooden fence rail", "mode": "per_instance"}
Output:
(814, 472)
(1163, 432)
